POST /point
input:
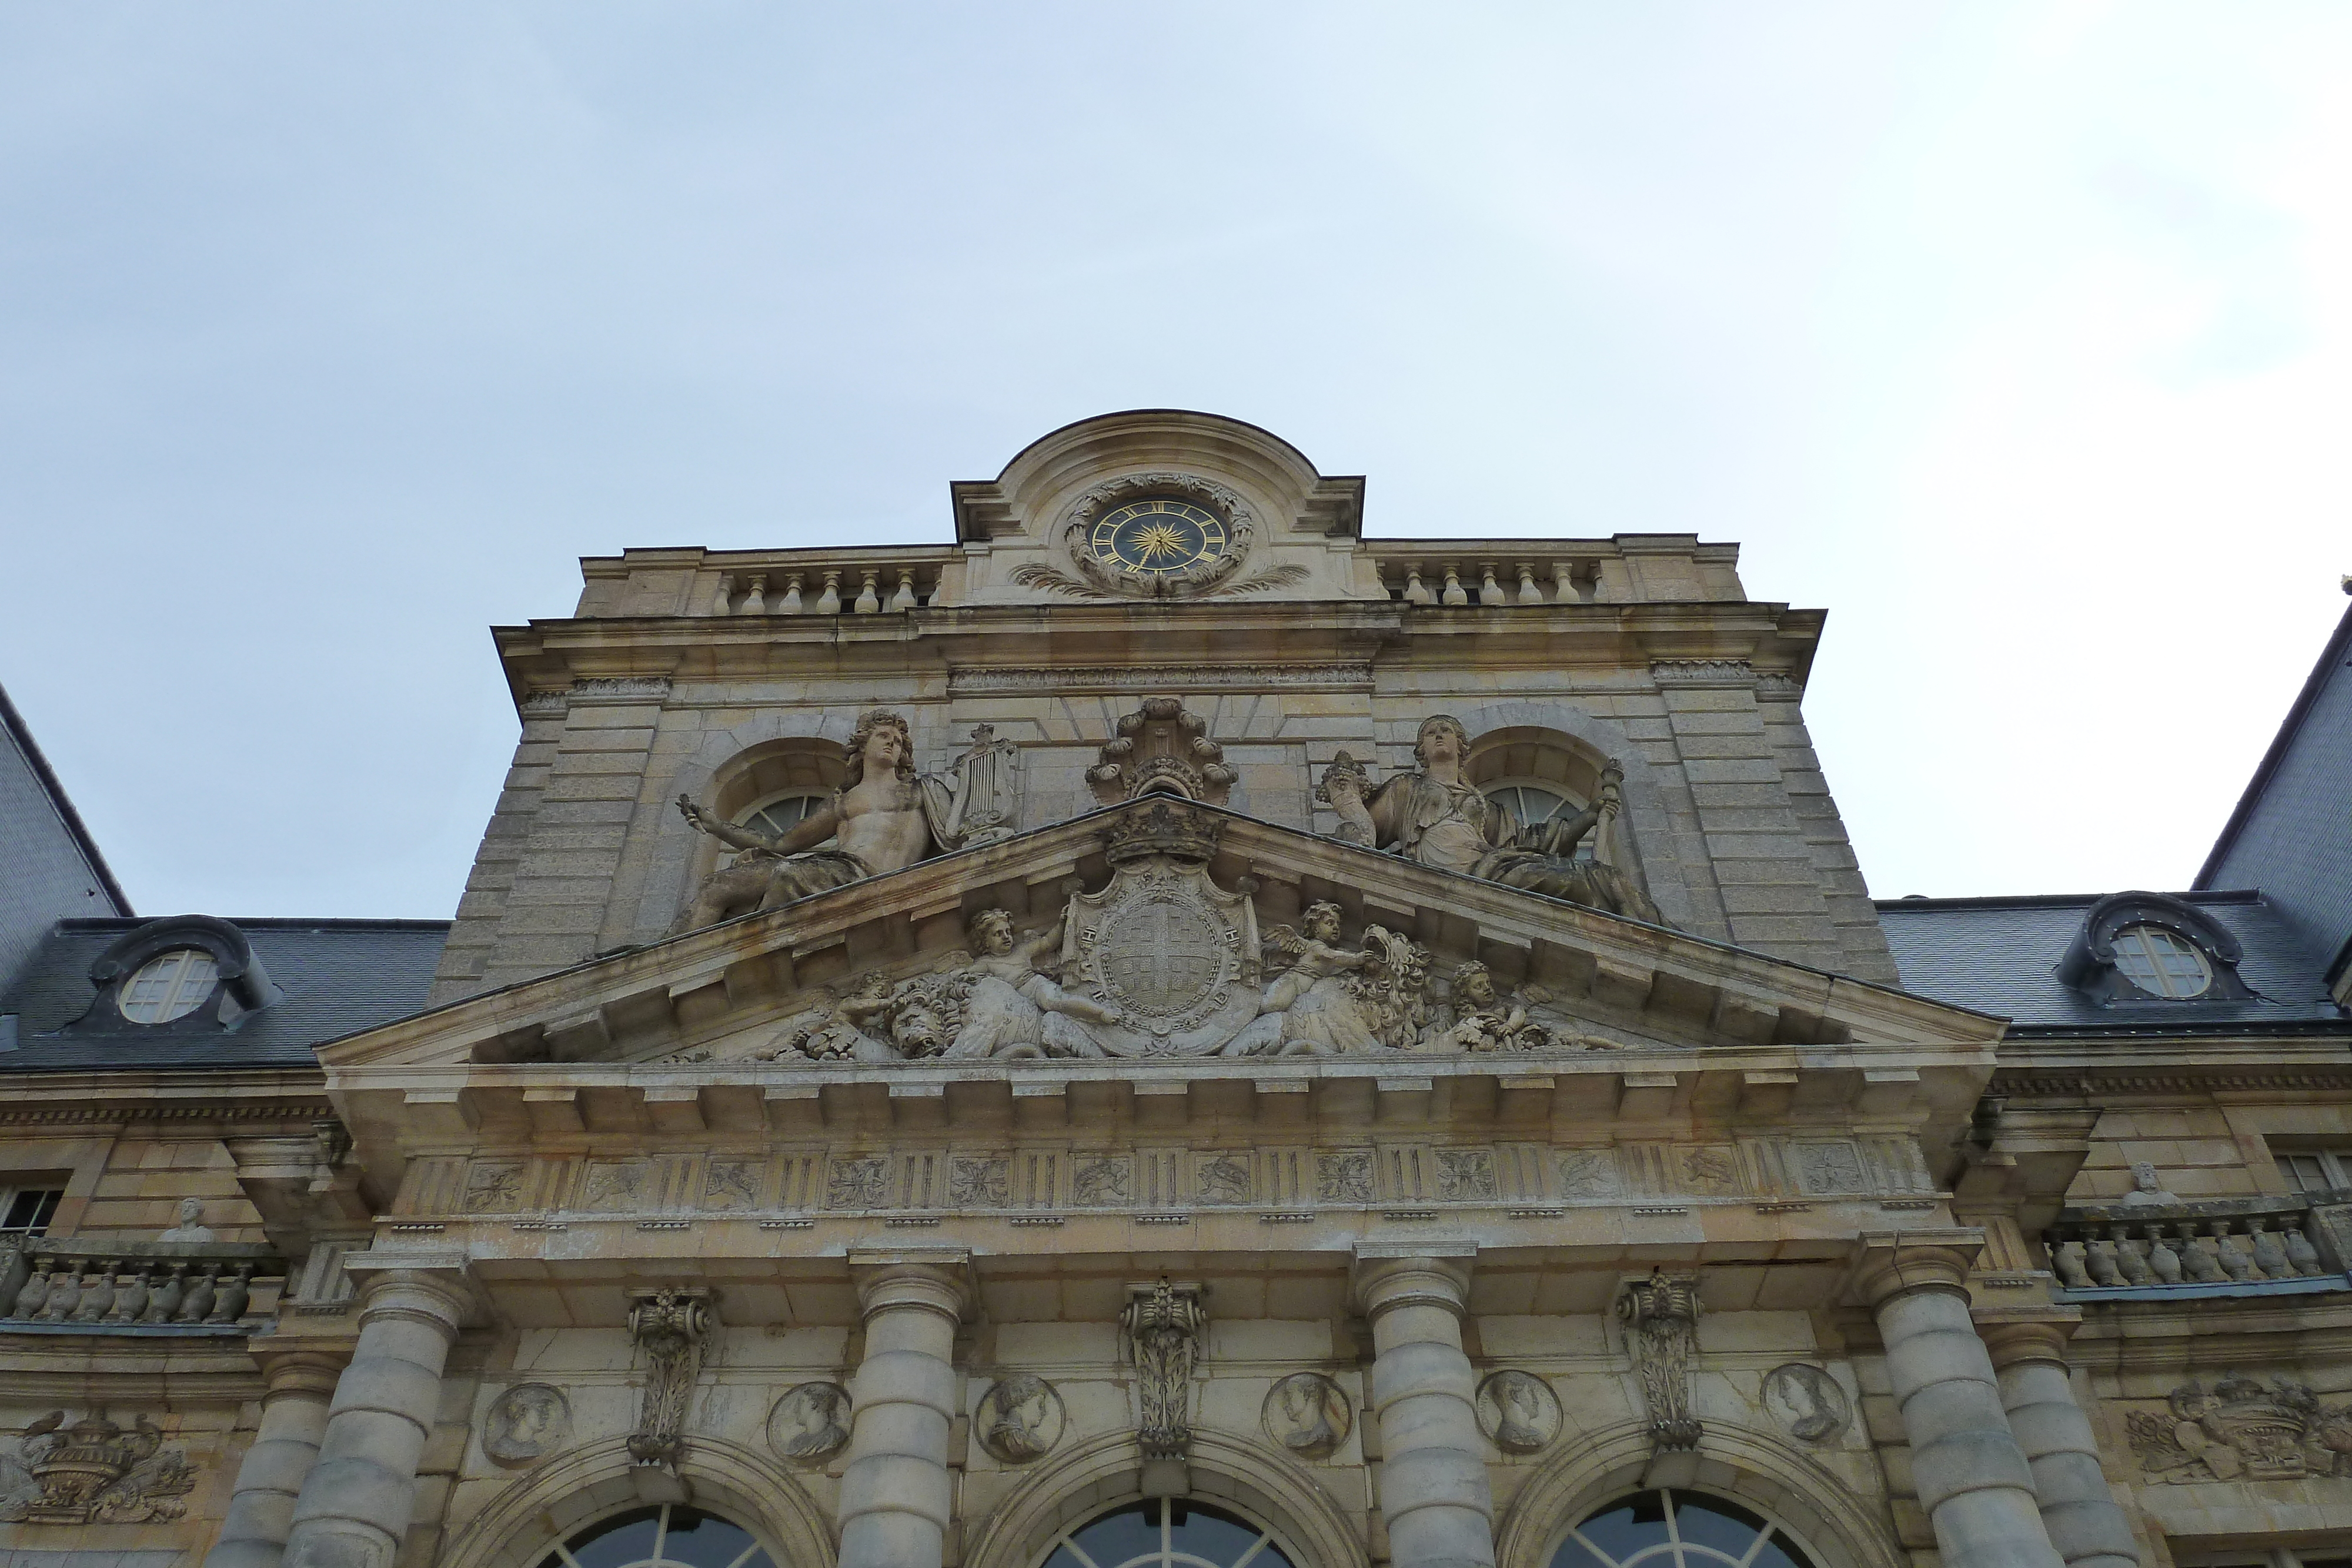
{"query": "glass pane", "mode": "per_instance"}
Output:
(1574, 1553)
(616, 1543)
(1064, 1557)
(699, 1540)
(1624, 1528)
(1209, 1535)
(1120, 1538)
(1710, 1521)
(1779, 1553)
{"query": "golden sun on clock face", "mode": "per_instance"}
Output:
(1157, 535)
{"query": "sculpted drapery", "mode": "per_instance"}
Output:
(1438, 817)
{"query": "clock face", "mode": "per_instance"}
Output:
(1152, 538)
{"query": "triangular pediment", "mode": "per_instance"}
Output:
(1584, 981)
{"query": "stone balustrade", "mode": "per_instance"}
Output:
(852, 586)
(2222, 1247)
(1499, 580)
(97, 1287)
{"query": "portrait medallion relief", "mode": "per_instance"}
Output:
(1307, 1414)
(525, 1423)
(1019, 1419)
(810, 1423)
(1806, 1401)
(1518, 1410)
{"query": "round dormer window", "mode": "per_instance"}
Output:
(170, 986)
(2161, 963)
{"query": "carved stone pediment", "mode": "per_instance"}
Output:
(1181, 919)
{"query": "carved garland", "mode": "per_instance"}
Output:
(1200, 578)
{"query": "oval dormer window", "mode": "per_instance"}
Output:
(169, 986)
(2161, 963)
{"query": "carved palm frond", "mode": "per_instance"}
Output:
(1274, 576)
(1045, 577)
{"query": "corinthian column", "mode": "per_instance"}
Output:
(1433, 1479)
(293, 1421)
(897, 1497)
(2078, 1511)
(355, 1505)
(1972, 1477)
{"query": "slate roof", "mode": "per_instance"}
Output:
(338, 976)
(2001, 955)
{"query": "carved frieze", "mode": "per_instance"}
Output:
(94, 1472)
(2241, 1430)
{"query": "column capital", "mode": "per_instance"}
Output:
(936, 1280)
(307, 1370)
(1428, 1275)
(1895, 1263)
(431, 1288)
(2013, 1336)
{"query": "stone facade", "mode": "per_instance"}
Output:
(1184, 1129)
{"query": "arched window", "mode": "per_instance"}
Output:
(1678, 1530)
(1167, 1532)
(782, 812)
(1530, 805)
(667, 1536)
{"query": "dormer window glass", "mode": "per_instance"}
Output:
(169, 986)
(2161, 963)
(780, 814)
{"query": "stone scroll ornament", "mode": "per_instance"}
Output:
(93, 1472)
(1161, 748)
(2242, 1431)
(1661, 1318)
(673, 1327)
(1163, 1324)
(1436, 816)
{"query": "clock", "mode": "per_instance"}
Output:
(1157, 536)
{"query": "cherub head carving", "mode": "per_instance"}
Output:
(1474, 984)
(992, 931)
(1320, 922)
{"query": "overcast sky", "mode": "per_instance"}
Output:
(2019, 337)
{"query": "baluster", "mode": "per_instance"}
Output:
(756, 601)
(2162, 1260)
(199, 1302)
(2234, 1261)
(65, 1294)
(2101, 1260)
(1489, 590)
(790, 604)
(905, 598)
(163, 1305)
(98, 1294)
(36, 1291)
(869, 601)
(1455, 593)
(723, 601)
(2301, 1255)
(131, 1299)
(233, 1295)
(2067, 1258)
(1563, 583)
(829, 602)
(2269, 1256)
(2131, 1258)
(2199, 1259)
(1528, 593)
(1415, 591)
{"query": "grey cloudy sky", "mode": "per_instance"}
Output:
(2018, 336)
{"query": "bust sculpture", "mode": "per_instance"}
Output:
(1436, 816)
(191, 1226)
